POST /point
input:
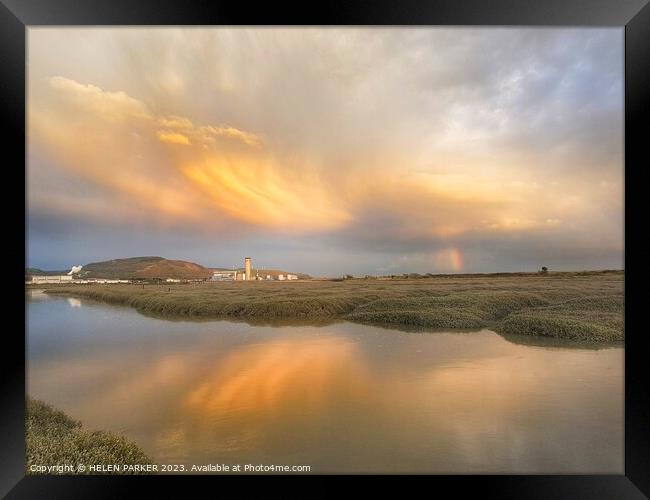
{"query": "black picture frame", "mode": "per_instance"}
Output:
(632, 15)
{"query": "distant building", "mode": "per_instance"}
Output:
(247, 268)
(98, 280)
(63, 278)
(248, 274)
(224, 275)
(71, 278)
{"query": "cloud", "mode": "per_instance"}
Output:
(175, 122)
(92, 99)
(173, 138)
(388, 141)
(109, 142)
(232, 132)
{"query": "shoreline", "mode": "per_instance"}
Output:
(53, 437)
(586, 308)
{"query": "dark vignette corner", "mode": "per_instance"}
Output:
(12, 99)
(637, 107)
(502, 12)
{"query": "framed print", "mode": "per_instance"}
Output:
(364, 240)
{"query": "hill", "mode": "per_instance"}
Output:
(35, 271)
(145, 268)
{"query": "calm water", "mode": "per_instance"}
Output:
(342, 397)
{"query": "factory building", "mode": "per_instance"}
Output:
(247, 274)
(69, 279)
(247, 268)
(224, 275)
(63, 278)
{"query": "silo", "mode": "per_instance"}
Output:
(247, 267)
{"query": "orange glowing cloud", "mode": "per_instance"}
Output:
(93, 100)
(232, 132)
(170, 168)
(173, 138)
(252, 189)
(114, 141)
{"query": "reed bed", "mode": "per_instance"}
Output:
(586, 306)
(53, 438)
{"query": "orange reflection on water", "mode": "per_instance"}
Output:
(266, 377)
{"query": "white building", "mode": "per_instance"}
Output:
(63, 278)
(224, 275)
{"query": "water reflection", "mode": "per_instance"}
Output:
(268, 377)
(343, 397)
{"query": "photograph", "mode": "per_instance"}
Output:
(324, 250)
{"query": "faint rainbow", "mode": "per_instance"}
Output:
(456, 259)
(449, 259)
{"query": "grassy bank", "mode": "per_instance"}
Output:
(53, 438)
(584, 306)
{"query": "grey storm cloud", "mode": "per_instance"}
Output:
(338, 149)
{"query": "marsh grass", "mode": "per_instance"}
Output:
(597, 318)
(53, 438)
(586, 306)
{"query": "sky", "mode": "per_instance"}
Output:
(328, 151)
